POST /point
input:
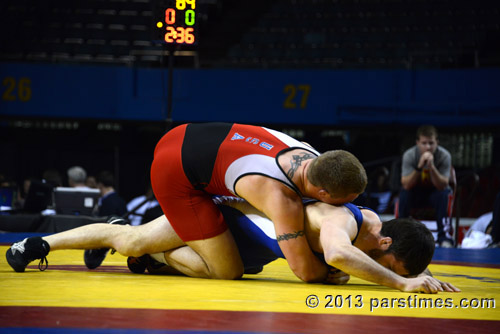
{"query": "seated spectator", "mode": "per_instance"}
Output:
(91, 182)
(138, 206)
(23, 192)
(76, 177)
(37, 195)
(110, 202)
(52, 177)
(425, 176)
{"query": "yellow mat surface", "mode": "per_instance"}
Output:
(68, 283)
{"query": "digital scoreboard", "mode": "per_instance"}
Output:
(176, 22)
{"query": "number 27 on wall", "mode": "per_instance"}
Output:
(294, 94)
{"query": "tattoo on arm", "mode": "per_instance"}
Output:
(297, 160)
(288, 236)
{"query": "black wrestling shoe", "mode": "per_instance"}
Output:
(139, 265)
(155, 267)
(93, 257)
(20, 254)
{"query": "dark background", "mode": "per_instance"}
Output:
(256, 35)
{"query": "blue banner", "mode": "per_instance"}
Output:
(315, 97)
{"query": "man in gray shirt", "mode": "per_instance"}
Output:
(425, 179)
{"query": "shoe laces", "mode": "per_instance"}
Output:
(43, 264)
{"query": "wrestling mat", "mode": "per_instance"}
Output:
(69, 298)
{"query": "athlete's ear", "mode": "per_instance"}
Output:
(385, 243)
(323, 195)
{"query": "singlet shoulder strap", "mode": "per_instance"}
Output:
(358, 216)
(356, 211)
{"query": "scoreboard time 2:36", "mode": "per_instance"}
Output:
(176, 21)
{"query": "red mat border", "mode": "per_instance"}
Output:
(257, 322)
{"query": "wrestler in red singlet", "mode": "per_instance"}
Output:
(193, 162)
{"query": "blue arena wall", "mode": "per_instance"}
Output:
(316, 97)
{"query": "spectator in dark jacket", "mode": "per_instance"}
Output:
(110, 202)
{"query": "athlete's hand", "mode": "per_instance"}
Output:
(425, 284)
(448, 287)
(336, 276)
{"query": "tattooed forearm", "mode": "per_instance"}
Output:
(297, 161)
(288, 236)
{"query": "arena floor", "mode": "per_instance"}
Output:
(69, 298)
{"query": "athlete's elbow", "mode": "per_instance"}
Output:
(307, 275)
(336, 257)
(311, 278)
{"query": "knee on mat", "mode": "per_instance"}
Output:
(228, 275)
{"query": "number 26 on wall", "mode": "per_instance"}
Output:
(16, 89)
(294, 94)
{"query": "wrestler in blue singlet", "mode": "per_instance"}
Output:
(256, 238)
